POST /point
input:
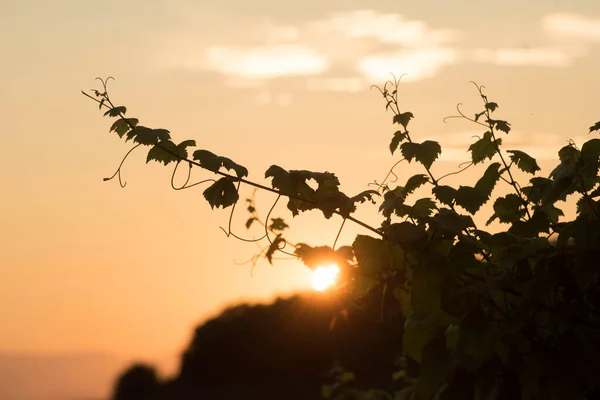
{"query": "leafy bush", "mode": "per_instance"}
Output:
(510, 315)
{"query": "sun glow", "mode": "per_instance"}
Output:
(324, 277)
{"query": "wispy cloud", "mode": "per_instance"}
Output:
(365, 45)
(417, 64)
(266, 62)
(538, 57)
(385, 28)
(572, 25)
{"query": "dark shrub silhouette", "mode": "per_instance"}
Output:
(285, 350)
(139, 382)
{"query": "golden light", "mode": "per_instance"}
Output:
(324, 277)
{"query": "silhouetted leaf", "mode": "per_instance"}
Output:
(392, 200)
(374, 256)
(508, 209)
(500, 125)
(278, 224)
(166, 151)
(414, 182)
(364, 196)
(487, 182)
(274, 246)
(524, 162)
(281, 178)
(403, 118)
(445, 194)
(249, 222)
(222, 193)
(163, 152)
(406, 233)
(595, 127)
(470, 198)
(147, 136)
(213, 163)
(451, 221)
(591, 148)
(425, 153)
(116, 111)
(122, 126)
(422, 208)
(491, 106)
(484, 148)
(396, 140)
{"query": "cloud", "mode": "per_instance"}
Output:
(339, 84)
(340, 51)
(572, 25)
(415, 63)
(385, 28)
(265, 62)
(539, 57)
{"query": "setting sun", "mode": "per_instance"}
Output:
(324, 277)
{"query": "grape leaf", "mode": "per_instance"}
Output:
(470, 198)
(524, 161)
(508, 209)
(163, 152)
(445, 194)
(500, 125)
(422, 208)
(393, 201)
(116, 111)
(166, 151)
(147, 136)
(485, 185)
(364, 196)
(280, 178)
(222, 193)
(274, 246)
(406, 233)
(278, 224)
(491, 106)
(396, 140)
(484, 148)
(403, 118)
(212, 162)
(374, 256)
(414, 182)
(591, 149)
(123, 125)
(314, 257)
(425, 153)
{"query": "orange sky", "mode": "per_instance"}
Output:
(88, 266)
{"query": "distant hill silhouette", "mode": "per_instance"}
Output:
(81, 376)
(284, 350)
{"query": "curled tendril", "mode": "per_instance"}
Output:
(462, 115)
(185, 185)
(461, 169)
(118, 171)
(229, 232)
(391, 172)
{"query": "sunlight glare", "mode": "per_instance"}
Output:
(324, 277)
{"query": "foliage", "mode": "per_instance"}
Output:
(513, 314)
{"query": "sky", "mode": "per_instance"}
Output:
(86, 266)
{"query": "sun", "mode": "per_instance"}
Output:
(324, 277)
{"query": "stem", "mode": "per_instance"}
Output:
(108, 104)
